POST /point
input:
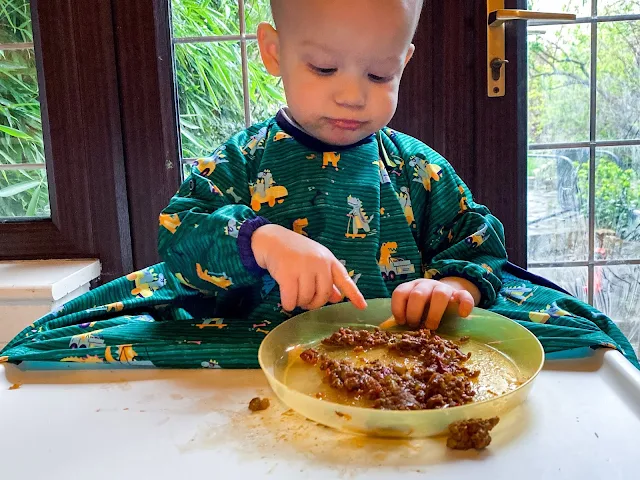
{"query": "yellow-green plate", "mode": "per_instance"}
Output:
(507, 354)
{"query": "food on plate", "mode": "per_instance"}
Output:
(424, 371)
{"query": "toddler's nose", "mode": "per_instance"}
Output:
(351, 93)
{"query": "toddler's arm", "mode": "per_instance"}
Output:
(205, 231)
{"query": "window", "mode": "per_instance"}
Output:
(62, 178)
(221, 82)
(23, 182)
(584, 154)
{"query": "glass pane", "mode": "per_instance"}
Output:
(618, 80)
(559, 96)
(265, 91)
(15, 22)
(618, 7)
(617, 295)
(198, 18)
(557, 205)
(617, 203)
(209, 79)
(24, 193)
(257, 11)
(573, 279)
(23, 190)
(582, 8)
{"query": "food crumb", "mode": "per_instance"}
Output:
(15, 386)
(346, 416)
(473, 433)
(257, 404)
(464, 339)
(321, 396)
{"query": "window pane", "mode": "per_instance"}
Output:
(198, 18)
(209, 79)
(557, 203)
(617, 203)
(257, 11)
(618, 7)
(24, 193)
(265, 91)
(559, 96)
(572, 279)
(618, 80)
(582, 8)
(23, 190)
(15, 22)
(617, 294)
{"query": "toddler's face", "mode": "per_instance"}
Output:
(340, 62)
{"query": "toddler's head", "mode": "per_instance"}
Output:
(340, 61)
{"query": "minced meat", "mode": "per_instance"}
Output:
(310, 356)
(258, 403)
(438, 379)
(468, 434)
(346, 337)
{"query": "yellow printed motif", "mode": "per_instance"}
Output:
(147, 281)
(206, 166)
(266, 191)
(552, 311)
(115, 307)
(299, 225)
(464, 204)
(170, 222)
(219, 280)
(87, 359)
(256, 142)
(517, 294)
(281, 136)
(358, 219)
(330, 158)
(429, 274)
(391, 267)
(425, 172)
(478, 238)
(405, 203)
(212, 323)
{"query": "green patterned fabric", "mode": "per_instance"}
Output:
(390, 208)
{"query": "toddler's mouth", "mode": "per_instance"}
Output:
(346, 124)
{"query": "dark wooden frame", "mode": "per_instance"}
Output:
(149, 117)
(75, 53)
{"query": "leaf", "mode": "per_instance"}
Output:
(14, 133)
(12, 190)
(31, 210)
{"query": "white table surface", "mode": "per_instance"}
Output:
(580, 422)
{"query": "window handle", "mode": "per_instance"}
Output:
(497, 16)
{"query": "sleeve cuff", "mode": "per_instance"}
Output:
(488, 283)
(244, 245)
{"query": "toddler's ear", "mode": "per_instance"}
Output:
(269, 43)
(412, 48)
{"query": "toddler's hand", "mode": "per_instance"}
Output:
(308, 274)
(411, 300)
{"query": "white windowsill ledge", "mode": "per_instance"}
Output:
(30, 289)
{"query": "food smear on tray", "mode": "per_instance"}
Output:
(410, 370)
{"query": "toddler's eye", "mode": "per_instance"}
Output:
(378, 79)
(323, 71)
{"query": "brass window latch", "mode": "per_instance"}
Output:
(497, 16)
